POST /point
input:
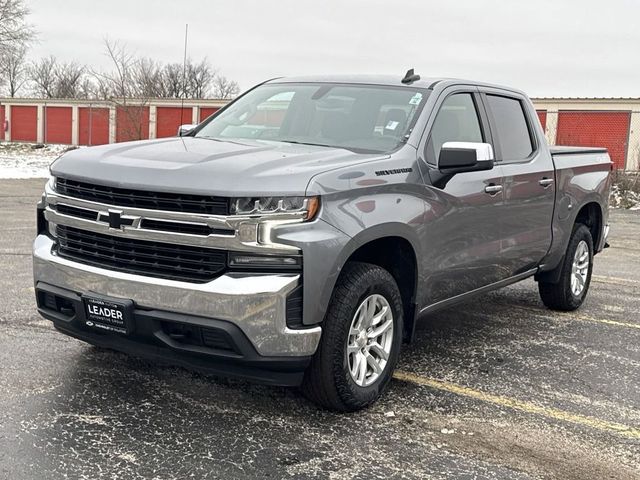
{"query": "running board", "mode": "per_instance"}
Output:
(478, 291)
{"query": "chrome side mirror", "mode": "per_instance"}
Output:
(458, 157)
(186, 128)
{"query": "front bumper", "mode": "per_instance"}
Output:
(209, 345)
(254, 303)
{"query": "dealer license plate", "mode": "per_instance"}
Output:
(107, 314)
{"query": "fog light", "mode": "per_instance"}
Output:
(268, 261)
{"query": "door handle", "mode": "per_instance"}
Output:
(545, 182)
(492, 189)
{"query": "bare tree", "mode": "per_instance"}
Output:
(118, 82)
(68, 80)
(173, 80)
(119, 85)
(43, 76)
(224, 88)
(200, 76)
(53, 79)
(148, 77)
(131, 80)
(15, 34)
(14, 70)
(14, 30)
(88, 88)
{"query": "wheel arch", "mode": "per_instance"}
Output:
(590, 214)
(394, 248)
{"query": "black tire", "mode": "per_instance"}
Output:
(559, 296)
(327, 381)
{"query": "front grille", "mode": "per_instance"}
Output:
(125, 197)
(77, 212)
(154, 259)
(182, 227)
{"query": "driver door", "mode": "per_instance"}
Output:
(463, 234)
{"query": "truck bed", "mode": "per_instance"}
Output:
(583, 176)
(560, 150)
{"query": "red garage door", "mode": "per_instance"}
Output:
(57, 125)
(132, 123)
(207, 111)
(542, 116)
(596, 129)
(24, 123)
(94, 126)
(1, 123)
(168, 119)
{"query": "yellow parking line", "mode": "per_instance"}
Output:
(603, 320)
(523, 406)
(574, 316)
(615, 280)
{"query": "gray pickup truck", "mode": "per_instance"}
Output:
(295, 236)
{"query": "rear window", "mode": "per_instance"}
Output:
(513, 133)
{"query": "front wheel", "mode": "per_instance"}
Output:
(571, 289)
(362, 333)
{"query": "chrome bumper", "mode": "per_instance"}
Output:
(256, 304)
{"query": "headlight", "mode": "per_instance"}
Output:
(270, 205)
(53, 182)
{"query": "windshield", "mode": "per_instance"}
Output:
(362, 118)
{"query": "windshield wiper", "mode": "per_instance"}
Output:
(224, 140)
(308, 143)
(210, 138)
(343, 147)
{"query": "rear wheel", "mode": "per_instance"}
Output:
(575, 277)
(362, 333)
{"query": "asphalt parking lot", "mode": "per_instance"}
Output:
(499, 388)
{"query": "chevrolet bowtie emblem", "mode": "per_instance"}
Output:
(115, 220)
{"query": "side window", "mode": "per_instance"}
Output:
(512, 131)
(457, 121)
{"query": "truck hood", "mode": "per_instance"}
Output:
(204, 166)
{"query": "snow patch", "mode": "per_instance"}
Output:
(22, 160)
(624, 198)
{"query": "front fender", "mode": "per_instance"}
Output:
(365, 218)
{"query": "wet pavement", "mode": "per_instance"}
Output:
(498, 388)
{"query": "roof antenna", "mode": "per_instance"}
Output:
(410, 77)
(184, 73)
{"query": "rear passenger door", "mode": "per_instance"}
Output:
(529, 192)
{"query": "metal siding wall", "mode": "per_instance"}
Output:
(168, 119)
(58, 125)
(132, 123)
(207, 111)
(24, 123)
(94, 126)
(596, 129)
(542, 116)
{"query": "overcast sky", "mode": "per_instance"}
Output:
(546, 47)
